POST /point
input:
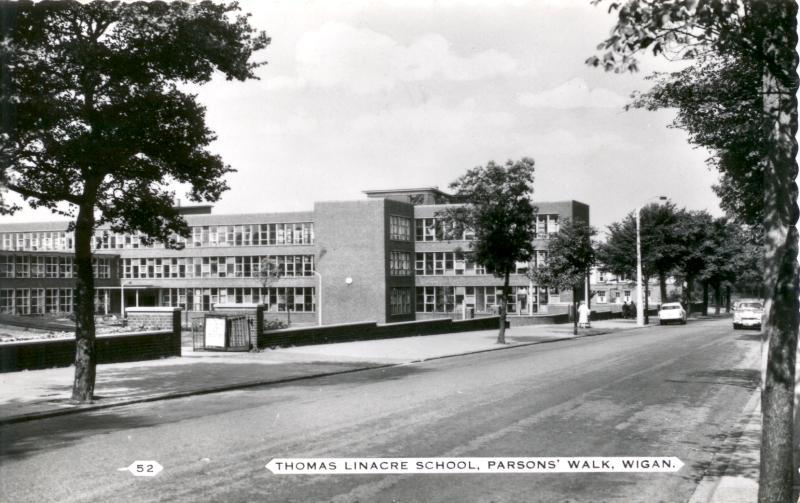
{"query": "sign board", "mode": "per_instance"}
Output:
(215, 332)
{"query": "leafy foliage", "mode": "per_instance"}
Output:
(661, 251)
(94, 124)
(749, 39)
(571, 254)
(496, 206)
(92, 112)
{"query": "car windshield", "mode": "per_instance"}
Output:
(750, 305)
(670, 306)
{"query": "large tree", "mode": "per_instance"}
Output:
(756, 38)
(95, 124)
(661, 250)
(495, 202)
(570, 257)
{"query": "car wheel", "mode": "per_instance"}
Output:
(660, 322)
(683, 321)
(736, 326)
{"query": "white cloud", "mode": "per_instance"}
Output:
(574, 93)
(368, 61)
(432, 118)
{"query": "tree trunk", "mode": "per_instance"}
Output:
(717, 298)
(501, 335)
(574, 311)
(727, 299)
(780, 254)
(662, 286)
(85, 355)
(646, 300)
(705, 297)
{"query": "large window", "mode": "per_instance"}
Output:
(276, 299)
(215, 267)
(400, 263)
(483, 299)
(546, 225)
(447, 264)
(435, 229)
(6, 266)
(400, 300)
(7, 301)
(399, 228)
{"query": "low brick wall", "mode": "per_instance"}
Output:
(116, 348)
(370, 330)
(153, 318)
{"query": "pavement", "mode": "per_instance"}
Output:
(32, 395)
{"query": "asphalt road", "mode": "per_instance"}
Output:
(661, 391)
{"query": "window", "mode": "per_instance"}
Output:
(23, 267)
(400, 263)
(601, 297)
(399, 228)
(400, 301)
(546, 225)
(7, 301)
(447, 264)
(435, 299)
(6, 266)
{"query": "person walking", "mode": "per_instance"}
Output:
(583, 315)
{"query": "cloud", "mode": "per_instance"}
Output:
(574, 93)
(368, 61)
(432, 118)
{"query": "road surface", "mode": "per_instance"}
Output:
(660, 391)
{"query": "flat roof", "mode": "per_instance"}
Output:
(394, 191)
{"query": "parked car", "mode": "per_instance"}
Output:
(671, 312)
(748, 313)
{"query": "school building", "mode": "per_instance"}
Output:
(383, 258)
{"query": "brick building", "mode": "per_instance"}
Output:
(382, 258)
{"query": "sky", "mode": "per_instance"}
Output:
(363, 95)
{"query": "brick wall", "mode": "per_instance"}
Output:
(153, 318)
(115, 348)
(361, 331)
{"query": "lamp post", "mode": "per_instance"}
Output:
(639, 301)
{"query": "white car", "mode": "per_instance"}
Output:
(748, 314)
(671, 312)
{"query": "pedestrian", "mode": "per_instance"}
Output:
(583, 315)
(626, 310)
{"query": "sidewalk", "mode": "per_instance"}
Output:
(35, 394)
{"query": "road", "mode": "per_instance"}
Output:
(660, 391)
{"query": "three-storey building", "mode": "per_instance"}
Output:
(383, 258)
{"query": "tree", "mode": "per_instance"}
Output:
(661, 251)
(757, 38)
(95, 126)
(571, 255)
(496, 205)
(722, 249)
(691, 235)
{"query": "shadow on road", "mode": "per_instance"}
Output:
(745, 378)
(734, 454)
(20, 440)
(752, 336)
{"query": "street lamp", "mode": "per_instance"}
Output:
(639, 302)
